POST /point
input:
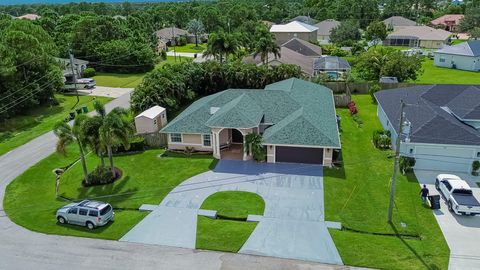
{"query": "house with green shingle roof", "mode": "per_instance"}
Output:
(296, 119)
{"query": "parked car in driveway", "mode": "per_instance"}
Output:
(458, 194)
(86, 213)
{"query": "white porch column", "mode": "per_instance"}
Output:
(216, 144)
(245, 157)
(327, 157)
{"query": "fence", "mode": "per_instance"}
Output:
(154, 139)
(342, 100)
(360, 87)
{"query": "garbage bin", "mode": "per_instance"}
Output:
(79, 111)
(71, 116)
(85, 109)
(434, 201)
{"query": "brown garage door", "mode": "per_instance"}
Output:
(299, 154)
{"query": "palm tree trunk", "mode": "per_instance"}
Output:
(196, 40)
(84, 163)
(102, 160)
(110, 158)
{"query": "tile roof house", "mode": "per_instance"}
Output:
(166, 36)
(296, 52)
(324, 29)
(418, 36)
(295, 29)
(449, 22)
(441, 126)
(398, 21)
(296, 119)
(31, 17)
(335, 67)
(465, 56)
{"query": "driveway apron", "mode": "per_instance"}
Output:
(292, 225)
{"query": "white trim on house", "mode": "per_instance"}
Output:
(303, 146)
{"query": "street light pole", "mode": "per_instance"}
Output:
(395, 164)
(72, 66)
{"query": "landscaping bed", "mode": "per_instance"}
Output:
(30, 199)
(230, 230)
(357, 195)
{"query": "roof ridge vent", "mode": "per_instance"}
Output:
(213, 110)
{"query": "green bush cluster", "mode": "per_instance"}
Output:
(100, 176)
(89, 72)
(406, 164)
(137, 144)
(381, 139)
(475, 167)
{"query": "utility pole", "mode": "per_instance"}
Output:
(72, 65)
(395, 164)
(174, 45)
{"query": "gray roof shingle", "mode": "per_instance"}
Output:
(468, 48)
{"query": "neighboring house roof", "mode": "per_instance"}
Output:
(331, 63)
(303, 19)
(293, 27)
(287, 56)
(299, 112)
(395, 21)
(447, 19)
(169, 32)
(268, 23)
(420, 32)
(324, 27)
(152, 113)
(468, 48)
(303, 47)
(434, 112)
(29, 17)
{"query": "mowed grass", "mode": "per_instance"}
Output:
(357, 195)
(20, 129)
(440, 75)
(228, 235)
(147, 178)
(190, 48)
(118, 80)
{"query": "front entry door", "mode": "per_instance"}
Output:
(237, 136)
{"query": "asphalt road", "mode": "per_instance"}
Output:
(24, 249)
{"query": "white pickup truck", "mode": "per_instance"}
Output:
(458, 194)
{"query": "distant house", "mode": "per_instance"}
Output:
(464, 56)
(418, 36)
(295, 118)
(295, 29)
(166, 36)
(388, 80)
(151, 120)
(449, 22)
(304, 19)
(335, 67)
(441, 127)
(397, 21)
(296, 52)
(31, 17)
(324, 29)
(79, 66)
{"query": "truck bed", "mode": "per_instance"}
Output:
(466, 200)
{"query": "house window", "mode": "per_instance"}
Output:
(207, 140)
(478, 154)
(176, 137)
(441, 60)
(154, 121)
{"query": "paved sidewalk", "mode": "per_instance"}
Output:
(462, 233)
(293, 224)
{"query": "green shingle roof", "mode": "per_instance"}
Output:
(300, 112)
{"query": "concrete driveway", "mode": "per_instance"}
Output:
(462, 233)
(292, 226)
(103, 91)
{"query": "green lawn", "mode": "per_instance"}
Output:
(118, 80)
(440, 75)
(228, 235)
(30, 199)
(20, 129)
(357, 195)
(190, 48)
(458, 41)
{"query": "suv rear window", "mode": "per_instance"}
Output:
(105, 210)
(463, 191)
(93, 213)
(82, 212)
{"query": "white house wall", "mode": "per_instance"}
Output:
(462, 62)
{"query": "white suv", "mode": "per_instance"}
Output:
(86, 213)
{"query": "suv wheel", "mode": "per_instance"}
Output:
(61, 220)
(90, 225)
(450, 206)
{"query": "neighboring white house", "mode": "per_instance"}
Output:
(295, 29)
(464, 56)
(441, 124)
(151, 120)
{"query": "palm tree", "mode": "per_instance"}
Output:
(90, 128)
(116, 129)
(196, 28)
(254, 146)
(220, 45)
(68, 134)
(265, 45)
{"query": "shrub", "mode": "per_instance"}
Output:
(100, 176)
(181, 41)
(137, 144)
(352, 107)
(475, 167)
(372, 90)
(381, 139)
(406, 164)
(89, 72)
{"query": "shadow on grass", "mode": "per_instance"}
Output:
(411, 177)
(414, 252)
(338, 170)
(112, 193)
